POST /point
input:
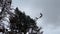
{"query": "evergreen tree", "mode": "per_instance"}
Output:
(22, 22)
(18, 23)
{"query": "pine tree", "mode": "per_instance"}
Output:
(18, 23)
(22, 22)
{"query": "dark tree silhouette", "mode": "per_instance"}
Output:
(22, 22)
(19, 22)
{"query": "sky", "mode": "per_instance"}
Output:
(50, 22)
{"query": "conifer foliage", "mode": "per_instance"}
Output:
(23, 23)
(18, 22)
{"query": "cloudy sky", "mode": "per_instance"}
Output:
(50, 10)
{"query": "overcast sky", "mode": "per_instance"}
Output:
(50, 10)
